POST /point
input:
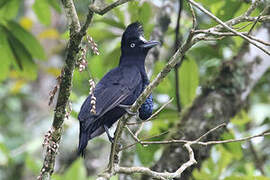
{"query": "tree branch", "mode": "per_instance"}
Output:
(158, 175)
(71, 15)
(222, 34)
(189, 163)
(177, 41)
(206, 143)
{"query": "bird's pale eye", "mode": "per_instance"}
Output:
(132, 45)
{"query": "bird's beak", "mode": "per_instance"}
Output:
(149, 44)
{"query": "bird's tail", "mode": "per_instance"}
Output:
(83, 140)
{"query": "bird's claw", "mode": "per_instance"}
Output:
(127, 109)
(111, 139)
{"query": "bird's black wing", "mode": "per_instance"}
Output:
(114, 88)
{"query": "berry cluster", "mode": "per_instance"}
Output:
(93, 45)
(93, 98)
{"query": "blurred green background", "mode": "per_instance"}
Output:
(33, 40)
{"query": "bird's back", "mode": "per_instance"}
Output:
(121, 85)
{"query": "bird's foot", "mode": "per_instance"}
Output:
(127, 109)
(111, 139)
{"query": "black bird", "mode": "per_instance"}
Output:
(118, 89)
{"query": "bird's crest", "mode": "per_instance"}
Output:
(133, 30)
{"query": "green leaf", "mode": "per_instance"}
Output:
(145, 13)
(9, 8)
(241, 118)
(204, 172)
(80, 81)
(238, 177)
(4, 154)
(188, 81)
(146, 154)
(96, 66)
(165, 86)
(111, 22)
(164, 121)
(235, 148)
(23, 58)
(133, 7)
(119, 14)
(112, 58)
(208, 3)
(43, 12)
(225, 159)
(27, 39)
(3, 3)
(32, 164)
(104, 36)
(6, 55)
(55, 4)
(214, 62)
(76, 171)
(228, 10)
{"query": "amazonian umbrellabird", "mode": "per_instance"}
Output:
(119, 88)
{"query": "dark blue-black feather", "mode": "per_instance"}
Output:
(120, 86)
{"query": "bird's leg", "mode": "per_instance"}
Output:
(127, 109)
(111, 139)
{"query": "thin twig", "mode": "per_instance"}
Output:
(148, 138)
(194, 19)
(252, 7)
(133, 135)
(211, 130)
(228, 27)
(177, 41)
(87, 23)
(234, 140)
(139, 129)
(102, 11)
(206, 143)
(262, 13)
(222, 34)
(240, 28)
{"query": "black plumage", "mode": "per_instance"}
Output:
(118, 89)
